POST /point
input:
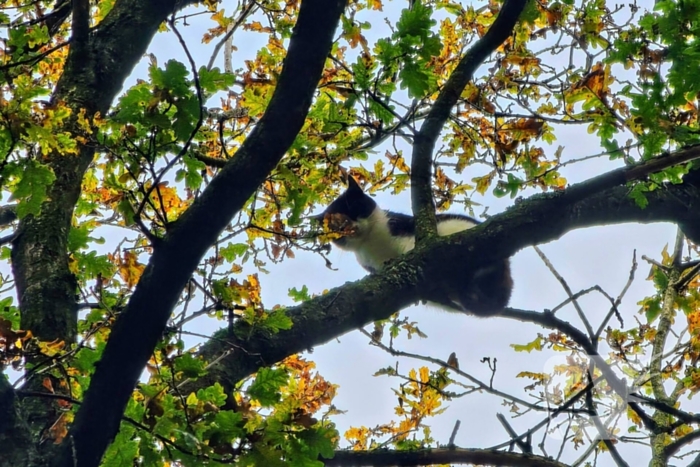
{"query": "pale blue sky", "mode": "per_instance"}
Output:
(587, 257)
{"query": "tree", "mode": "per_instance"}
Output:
(201, 170)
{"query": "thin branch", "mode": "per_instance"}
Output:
(664, 326)
(8, 238)
(602, 430)
(561, 409)
(479, 384)
(200, 119)
(525, 447)
(35, 58)
(618, 300)
(421, 163)
(247, 11)
(549, 320)
(568, 291)
(451, 443)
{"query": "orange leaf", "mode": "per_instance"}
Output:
(130, 269)
(48, 385)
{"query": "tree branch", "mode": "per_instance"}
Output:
(421, 192)
(14, 430)
(80, 25)
(438, 456)
(414, 276)
(676, 445)
(8, 214)
(141, 325)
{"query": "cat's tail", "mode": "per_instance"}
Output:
(488, 291)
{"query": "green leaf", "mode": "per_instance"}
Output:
(133, 104)
(85, 359)
(123, 450)
(78, 237)
(214, 80)
(9, 312)
(31, 189)
(214, 394)
(416, 79)
(637, 194)
(320, 441)
(226, 424)
(266, 387)
(362, 75)
(277, 320)
(299, 295)
(91, 265)
(298, 197)
(193, 173)
(190, 366)
(382, 113)
(652, 308)
(233, 250)
(416, 21)
(172, 78)
(127, 211)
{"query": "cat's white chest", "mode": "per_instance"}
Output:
(374, 245)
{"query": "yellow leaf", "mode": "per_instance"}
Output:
(130, 269)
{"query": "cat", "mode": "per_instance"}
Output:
(377, 236)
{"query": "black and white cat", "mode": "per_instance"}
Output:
(376, 236)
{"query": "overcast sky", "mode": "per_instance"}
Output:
(595, 256)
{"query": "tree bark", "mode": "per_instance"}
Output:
(141, 325)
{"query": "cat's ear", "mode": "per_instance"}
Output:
(353, 185)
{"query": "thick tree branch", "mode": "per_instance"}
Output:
(98, 62)
(141, 325)
(414, 276)
(95, 71)
(14, 431)
(438, 456)
(672, 448)
(80, 25)
(421, 161)
(8, 214)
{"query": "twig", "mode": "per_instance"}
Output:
(602, 431)
(618, 300)
(568, 291)
(451, 443)
(247, 10)
(525, 447)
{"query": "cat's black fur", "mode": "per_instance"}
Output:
(376, 236)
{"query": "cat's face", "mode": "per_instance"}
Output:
(346, 211)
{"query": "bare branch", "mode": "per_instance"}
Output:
(245, 13)
(567, 289)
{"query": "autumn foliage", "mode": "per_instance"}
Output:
(134, 215)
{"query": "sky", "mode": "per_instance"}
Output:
(593, 256)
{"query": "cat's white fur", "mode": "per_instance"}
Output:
(374, 245)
